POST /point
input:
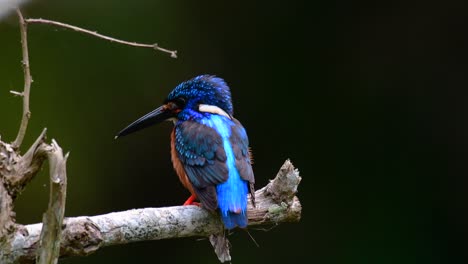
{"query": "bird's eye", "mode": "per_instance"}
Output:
(180, 101)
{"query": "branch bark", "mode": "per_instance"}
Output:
(85, 235)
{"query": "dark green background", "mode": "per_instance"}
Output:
(367, 103)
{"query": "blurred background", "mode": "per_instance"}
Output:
(367, 102)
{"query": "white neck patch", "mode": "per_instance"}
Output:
(212, 109)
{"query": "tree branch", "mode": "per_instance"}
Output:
(155, 46)
(51, 233)
(27, 81)
(84, 235)
(17, 171)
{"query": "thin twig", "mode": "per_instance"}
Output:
(155, 46)
(16, 93)
(27, 81)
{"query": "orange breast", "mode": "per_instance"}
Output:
(178, 167)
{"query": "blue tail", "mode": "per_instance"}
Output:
(232, 220)
(232, 201)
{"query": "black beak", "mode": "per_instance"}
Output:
(156, 116)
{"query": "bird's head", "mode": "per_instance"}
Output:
(192, 98)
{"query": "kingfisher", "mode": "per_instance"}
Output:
(209, 148)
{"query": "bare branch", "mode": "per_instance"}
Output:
(27, 81)
(154, 46)
(17, 171)
(51, 233)
(85, 235)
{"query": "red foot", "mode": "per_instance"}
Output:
(191, 201)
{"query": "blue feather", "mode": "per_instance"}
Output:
(232, 194)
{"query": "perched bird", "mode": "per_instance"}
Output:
(209, 147)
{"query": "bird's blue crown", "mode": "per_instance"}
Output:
(204, 89)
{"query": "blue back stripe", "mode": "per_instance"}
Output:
(232, 194)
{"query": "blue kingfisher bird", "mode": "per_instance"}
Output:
(209, 147)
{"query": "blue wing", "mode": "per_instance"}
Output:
(240, 146)
(200, 149)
